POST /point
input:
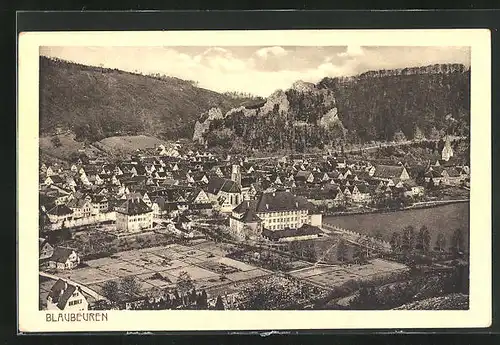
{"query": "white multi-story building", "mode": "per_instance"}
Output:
(274, 211)
(134, 216)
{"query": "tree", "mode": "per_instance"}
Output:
(365, 300)
(111, 290)
(130, 285)
(359, 255)
(202, 300)
(408, 239)
(184, 283)
(56, 141)
(378, 235)
(424, 239)
(395, 241)
(457, 241)
(341, 251)
(219, 304)
(440, 242)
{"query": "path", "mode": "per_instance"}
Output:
(371, 147)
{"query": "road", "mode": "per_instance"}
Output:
(365, 148)
(84, 288)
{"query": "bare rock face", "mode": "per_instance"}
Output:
(277, 98)
(244, 110)
(331, 120)
(303, 86)
(203, 124)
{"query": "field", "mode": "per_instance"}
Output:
(128, 144)
(442, 219)
(328, 276)
(66, 147)
(161, 266)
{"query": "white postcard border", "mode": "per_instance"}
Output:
(30, 319)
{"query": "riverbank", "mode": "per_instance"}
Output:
(415, 206)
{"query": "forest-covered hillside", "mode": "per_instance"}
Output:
(95, 103)
(374, 106)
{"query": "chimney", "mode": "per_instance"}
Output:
(296, 204)
(267, 206)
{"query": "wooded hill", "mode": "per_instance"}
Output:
(95, 103)
(375, 106)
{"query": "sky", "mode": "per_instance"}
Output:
(257, 70)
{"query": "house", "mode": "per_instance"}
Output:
(54, 179)
(81, 207)
(67, 297)
(161, 207)
(45, 249)
(389, 172)
(133, 215)
(304, 176)
(226, 193)
(360, 193)
(273, 211)
(99, 204)
(58, 213)
(413, 189)
(248, 189)
(305, 232)
(64, 259)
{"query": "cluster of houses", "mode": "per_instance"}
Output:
(135, 193)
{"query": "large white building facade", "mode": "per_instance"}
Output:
(274, 211)
(134, 216)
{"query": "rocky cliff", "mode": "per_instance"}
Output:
(381, 105)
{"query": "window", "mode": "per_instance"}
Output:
(78, 301)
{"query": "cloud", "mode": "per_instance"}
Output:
(352, 51)
(264, 53)
(220, 59)
(258, 71)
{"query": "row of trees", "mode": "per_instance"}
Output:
(409, 240)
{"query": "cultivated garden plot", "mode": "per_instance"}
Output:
(167, 253)
(239, 276)
(123, 269)
(96, 263)
(308, 272)
(332, 278)
(194, 272)
(88, 275)
(236, 264)
(195, 260)
(217, 249)
(217, 267)
(158, 279)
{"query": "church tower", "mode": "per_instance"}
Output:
(236, 174)
(447, 152)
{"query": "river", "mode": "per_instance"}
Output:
(440, 219)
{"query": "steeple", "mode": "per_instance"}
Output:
(447, 152)
(236, 174)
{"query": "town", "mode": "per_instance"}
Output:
(171, 227)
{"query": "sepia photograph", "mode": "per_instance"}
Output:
(259, 177)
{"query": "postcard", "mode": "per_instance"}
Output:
(254, 180)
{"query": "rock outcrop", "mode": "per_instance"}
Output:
(203, 124)
(277, 98)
